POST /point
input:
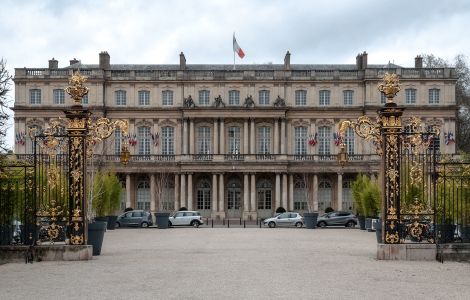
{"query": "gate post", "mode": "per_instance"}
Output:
(390, 130)
(77, 130)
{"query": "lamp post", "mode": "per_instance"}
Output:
(342, 156)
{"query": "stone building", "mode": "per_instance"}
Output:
(235, 142)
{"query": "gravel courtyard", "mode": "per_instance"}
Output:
(236, 263)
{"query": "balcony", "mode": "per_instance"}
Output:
(234, 157)
(203, 157)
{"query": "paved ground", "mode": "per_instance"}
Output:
(236, 263)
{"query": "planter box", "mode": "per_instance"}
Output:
(95, 236)
(162, 220)
(310, 220)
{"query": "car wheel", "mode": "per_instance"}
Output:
(195, 224)
(271, 224)
(118, 224)
(299, 224)
(350, 224)
(144, 225)
(321, 224)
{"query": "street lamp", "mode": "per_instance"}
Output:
(342, 156)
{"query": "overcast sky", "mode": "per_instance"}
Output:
(154, 32)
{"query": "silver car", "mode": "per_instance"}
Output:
(186, 218)
(337, 218)
(285, 219)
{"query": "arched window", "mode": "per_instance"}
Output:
(143, 194)
(203, 195)
(300, 195)
(324, 140)
(143, 136)
(168, 195)
(300, 140)
(33, 130)
(324, 195)
(264, 191)
(348, 203)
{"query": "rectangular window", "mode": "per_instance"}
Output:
(144, 98)
(234, 97)
(167, 98)
(203, 140)
(59, 96)
(264, 140)
(300, 98)
(349, 141)
(300, 136)
(324, 98)
(234, 140)
(143, 134)
(168, 138)
(348, 97)
(35, 96)
(263, 97)
(324, 140)
(434, 96)
(85, 99)
(410, 96)
(117, 141)
(204, 98)
(120, 97)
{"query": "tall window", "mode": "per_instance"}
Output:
(233, 97)
(30, 141)
(264, 190)
(143, 195)
(434, 96)
(167, 98)
(35, 96)
(349, 141)
(120, 97)
(383, 99)
(263, 97)
(203, 197)
(300, 98)
(143, 135)
(324, 98)
(348, 97)
(264, 140)
(324, 139)
(59, 96)
(347, 195)
(117, 141)
(144, 98)
(168, 196)
(300, 201)
(168, 141)
(410, 96)
(204, 98)
(234, 140)
(85, 99)
(300, 136)
(203, 140)
(324, 195)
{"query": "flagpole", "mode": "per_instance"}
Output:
(233, 51)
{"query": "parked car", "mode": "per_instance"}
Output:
(138, 218)
(285, 219)
(186, 218)
(337, 218)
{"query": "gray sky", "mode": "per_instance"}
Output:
(153, 32)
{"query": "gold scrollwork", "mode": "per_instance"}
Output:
(364, 128)
(392, 238)
(77, 90)
(390, 86)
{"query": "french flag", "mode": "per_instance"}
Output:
(236, 47)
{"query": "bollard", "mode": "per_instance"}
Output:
(244, 224)
(240, 221)
(228, 223)
(212, 223)
(223, 221)
(259, 223)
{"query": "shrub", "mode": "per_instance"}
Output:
(183, 208)
(128, 209)
(280, 210)
(329, 209)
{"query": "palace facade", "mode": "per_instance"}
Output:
(235, 143)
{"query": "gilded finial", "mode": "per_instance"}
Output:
(77, 90)
(390, 86)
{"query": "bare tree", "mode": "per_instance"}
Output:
(163, 181)
(462, 94)
(307, 184)
(5, 84)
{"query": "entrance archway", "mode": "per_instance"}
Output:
(234, 205)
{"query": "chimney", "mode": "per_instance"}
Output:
(418, 62)
(105, 60)
(359, 61)
(53, 63)
(182, 61)
(287, 61)
(73, 61)
(364, 60)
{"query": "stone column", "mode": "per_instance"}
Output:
(246, 193)
(315, 192)
(191, 136)
(185, 136)
(128, 190)
(277, 193)
(216, 137)
(221, 193)
(153, 202)
(245, 137)
(291, 193)
(284, 191)
(183, 191)
(222, 137)
(190, 192)
(339, 205)
(252, 137)
(283, 136)
(214, 193)
(253, 193)
(177, 192)
(276, 136)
